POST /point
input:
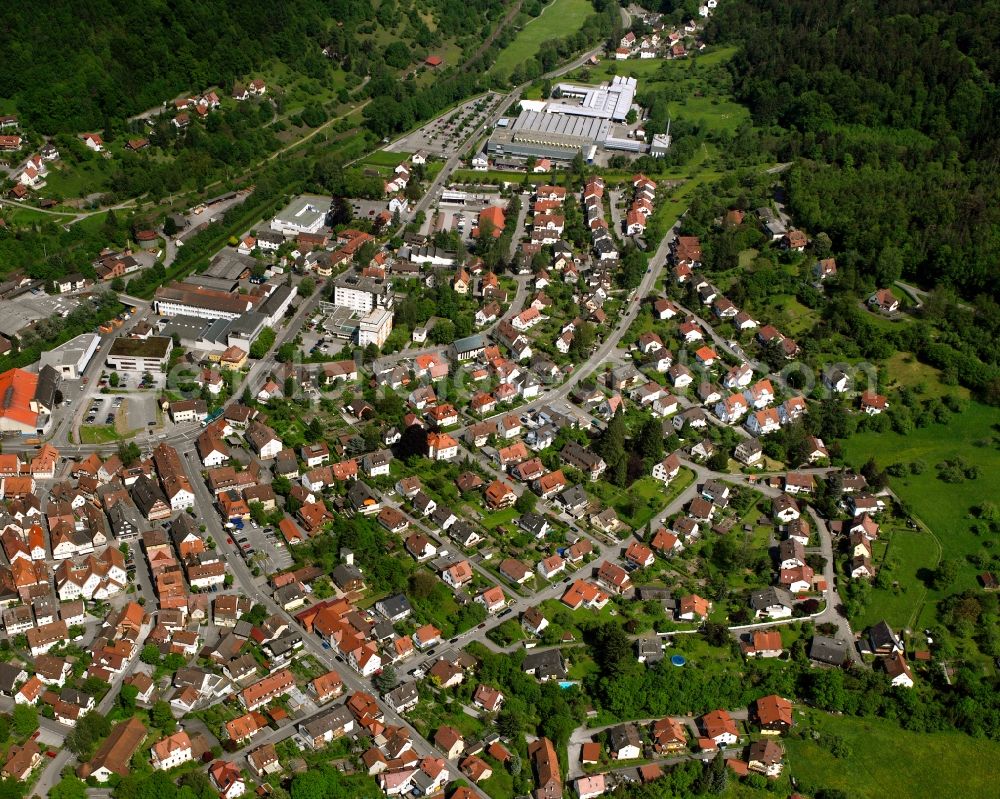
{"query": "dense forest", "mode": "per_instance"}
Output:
(889, 112)
(94, 64)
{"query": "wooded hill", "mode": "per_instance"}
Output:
(890, 111)
(72, 67)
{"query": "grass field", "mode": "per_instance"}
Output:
(888, 761)
(788, 314)
(906, 371)
(493, 520)
(77, 180)
(558, 19)
(702, 102)
(385, 158)
(909, 554)
(98, 434)
(946, 508)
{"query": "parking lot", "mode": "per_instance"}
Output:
(442, 136)
(139, 411)
(319, 342)
(262, 546)
(458, 210)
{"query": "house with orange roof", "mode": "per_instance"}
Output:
(491, 219)
(492, 599)
(476, 769)
(458, 575)
(639, 554)
(327, 686)
(720, 727)
(266, 689)
(441, 447)
(582, 593)
(29, 692)
(499, 495)
(244, 727)
(313, 515)
(548, 485)
(226, 776)
(774, 714)
(426, 636)
(693, 607)
(172, 751)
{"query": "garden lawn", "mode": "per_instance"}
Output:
(77, 180)
(946, 508)
(493, 520)
(702, 102)
(501, 784)
(789, 314)
(558, 19)
(911, 552)
(25, 215)
(643, 499)
(888, 761)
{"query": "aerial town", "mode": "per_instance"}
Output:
(552, 440)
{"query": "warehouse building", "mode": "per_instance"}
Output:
(304, 214)
(71, 359)
(576, 119)
(554, 136)
(215, 335)
(612, 101)
(183, 299)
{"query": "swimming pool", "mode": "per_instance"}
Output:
(564, 684)
(678, 660)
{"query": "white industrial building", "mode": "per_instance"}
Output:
(70, 359)
(302, 215)
(612, 101)
(182, 299)
(575, 119)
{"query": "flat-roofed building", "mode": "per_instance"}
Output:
(361, 293)
(306, 214)
(140, 355)
(375, 327)
(71, 359)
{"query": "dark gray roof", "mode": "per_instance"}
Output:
(146, 493)
(545, 664)
(623, 735)
(402, 694)
(45, 391)
(828, 650)
(335, 719)
(882, 636)
(573, 496)
(470, 343)
(532, 523)
(392, 606)
(343, 574)
(767, 597)
(8, 676)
